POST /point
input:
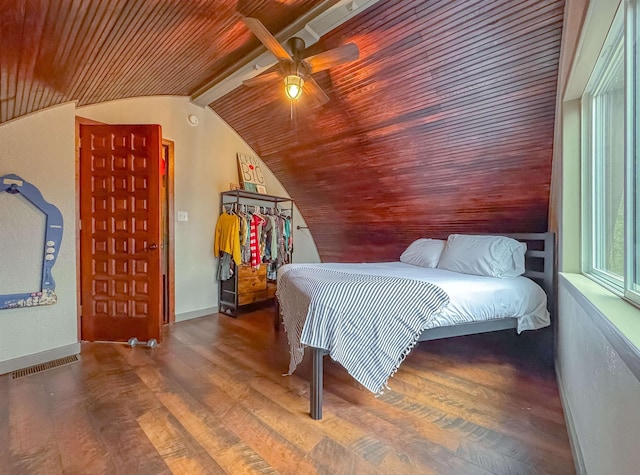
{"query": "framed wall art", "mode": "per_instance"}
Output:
(250, 174)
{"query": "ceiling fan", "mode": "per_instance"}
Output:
(294, 68)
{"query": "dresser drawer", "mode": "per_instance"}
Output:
(248, 271)
(250, 297)
(252, 284)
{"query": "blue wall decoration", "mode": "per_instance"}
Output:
(13, 184)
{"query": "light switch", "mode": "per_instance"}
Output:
(183, 216)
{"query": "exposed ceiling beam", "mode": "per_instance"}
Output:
(310, 27)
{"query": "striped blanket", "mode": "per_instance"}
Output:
(366, 323)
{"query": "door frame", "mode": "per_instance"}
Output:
(171, 263)
(170, 223)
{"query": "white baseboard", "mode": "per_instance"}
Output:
(181, 317)
(22, 362)
(578, 460)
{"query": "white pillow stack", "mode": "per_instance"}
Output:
(423, 252)
(493, 256)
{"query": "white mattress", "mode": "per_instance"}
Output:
(472, 298)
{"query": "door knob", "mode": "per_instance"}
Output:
(153, 246)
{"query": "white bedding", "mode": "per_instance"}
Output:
(472, 298)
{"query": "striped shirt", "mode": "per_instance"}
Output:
(254, 240)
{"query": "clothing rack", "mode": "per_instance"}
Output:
(244, 208)
(231, 294)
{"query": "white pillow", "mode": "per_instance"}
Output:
(493, 256)
(423, 252)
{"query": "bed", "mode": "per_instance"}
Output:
(369, 316)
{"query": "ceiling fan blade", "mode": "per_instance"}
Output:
(267, 76)
(332, 57)
(267, 39)
(313, 89)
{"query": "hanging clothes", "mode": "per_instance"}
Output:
(267, 231)
(273, 237)
(286, 244)
(282, 250)
(227, 237)
(256, 223)
(261, 239)
(245, 242)
(224, 267)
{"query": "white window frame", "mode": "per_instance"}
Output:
(625, 285)
(632, 152)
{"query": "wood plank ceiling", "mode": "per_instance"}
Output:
(444, 124)
(54, 51)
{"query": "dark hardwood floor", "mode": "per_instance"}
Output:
(212, 399)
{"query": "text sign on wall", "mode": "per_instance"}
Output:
(250, 173)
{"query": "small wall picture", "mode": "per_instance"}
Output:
(261, 189)
(250, 187)
(234, 186)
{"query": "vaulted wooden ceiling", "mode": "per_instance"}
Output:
(53, 51)
(445, 123)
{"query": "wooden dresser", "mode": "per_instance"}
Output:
(249, 285)
(252, 284)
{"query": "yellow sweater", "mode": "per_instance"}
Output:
(227, 238)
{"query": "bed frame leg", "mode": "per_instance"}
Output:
(315, 398)
(276, 315)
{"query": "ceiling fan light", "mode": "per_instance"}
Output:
(293, 86)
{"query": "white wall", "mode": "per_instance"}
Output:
(601, 394)
(40, 148)
(205, 165)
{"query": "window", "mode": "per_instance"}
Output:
(611, 174)
(632, 186)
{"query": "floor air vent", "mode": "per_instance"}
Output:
(39, 368)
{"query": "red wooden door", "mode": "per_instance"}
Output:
(120, 267)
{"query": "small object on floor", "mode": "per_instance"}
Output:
(152, 343)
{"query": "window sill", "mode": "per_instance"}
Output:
(618, 320)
